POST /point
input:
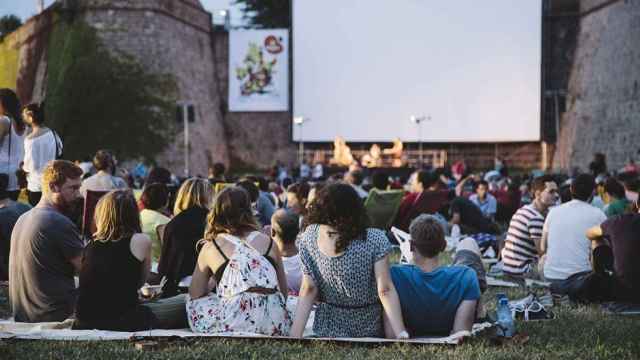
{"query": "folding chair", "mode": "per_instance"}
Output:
(382, 207)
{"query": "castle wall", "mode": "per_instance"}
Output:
(170, 37)
(604, 91)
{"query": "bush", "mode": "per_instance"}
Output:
(96, 98)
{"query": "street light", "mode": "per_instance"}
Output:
(418, 120)
(300, 120)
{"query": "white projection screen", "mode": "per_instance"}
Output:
(362, 68)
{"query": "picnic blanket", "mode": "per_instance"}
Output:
(614, 308)
(62, 331)
(529, 283)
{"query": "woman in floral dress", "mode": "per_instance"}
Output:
(246, 270)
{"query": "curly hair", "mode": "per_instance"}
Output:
(231, 214)
(339, 206)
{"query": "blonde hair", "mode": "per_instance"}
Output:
(231, 214)
(194, 192)
(116, 216)
(57, 172)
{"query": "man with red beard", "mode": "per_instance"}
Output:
(46, 250)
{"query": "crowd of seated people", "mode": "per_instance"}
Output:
(231, 258)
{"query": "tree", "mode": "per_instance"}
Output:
(9, 24)
(266, 13)
(97, 99)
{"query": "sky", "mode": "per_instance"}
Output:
(27, 8)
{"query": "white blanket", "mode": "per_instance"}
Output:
(62, 331)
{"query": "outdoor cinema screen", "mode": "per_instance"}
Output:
(362, 68)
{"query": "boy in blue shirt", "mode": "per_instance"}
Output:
(438, 300)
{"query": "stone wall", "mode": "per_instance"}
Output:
(604, 91)
(170, 36)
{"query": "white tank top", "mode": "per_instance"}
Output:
(9, 165)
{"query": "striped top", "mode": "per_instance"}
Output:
(525, 229)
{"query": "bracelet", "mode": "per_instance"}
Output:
(403, 335)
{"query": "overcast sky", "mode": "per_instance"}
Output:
(26, 8)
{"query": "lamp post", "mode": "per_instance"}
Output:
(300, 120)
(418, 120)
(226, 15)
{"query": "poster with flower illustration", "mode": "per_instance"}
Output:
(259, 70)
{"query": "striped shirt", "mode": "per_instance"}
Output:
(525, 229)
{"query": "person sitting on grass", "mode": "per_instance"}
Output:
(284, 230)
(618, 202)
(10, 211)
(486, 202)
(46, 250)
(567, 253)
(616, 270)
(345, 269)
(181, 235)
(297, 195)
(523, 243)
(246, 269)
(155, 198)
(114, 267)
(104, 180)
(426, 197)
(435, 299)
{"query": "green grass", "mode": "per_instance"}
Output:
(582, 332)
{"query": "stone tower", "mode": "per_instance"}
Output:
(174, 37)
(603, 106)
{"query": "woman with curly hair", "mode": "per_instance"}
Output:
(346, 270)
(245, 267)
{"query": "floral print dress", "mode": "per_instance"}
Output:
(232, 308)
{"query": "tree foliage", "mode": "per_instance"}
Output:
(96, 98)
(9, 24)
(267, 13)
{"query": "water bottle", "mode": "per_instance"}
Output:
(506, 326)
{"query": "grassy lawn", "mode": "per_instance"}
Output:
(578, 332)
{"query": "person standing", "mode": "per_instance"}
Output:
(40, 146)
(12, 130)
